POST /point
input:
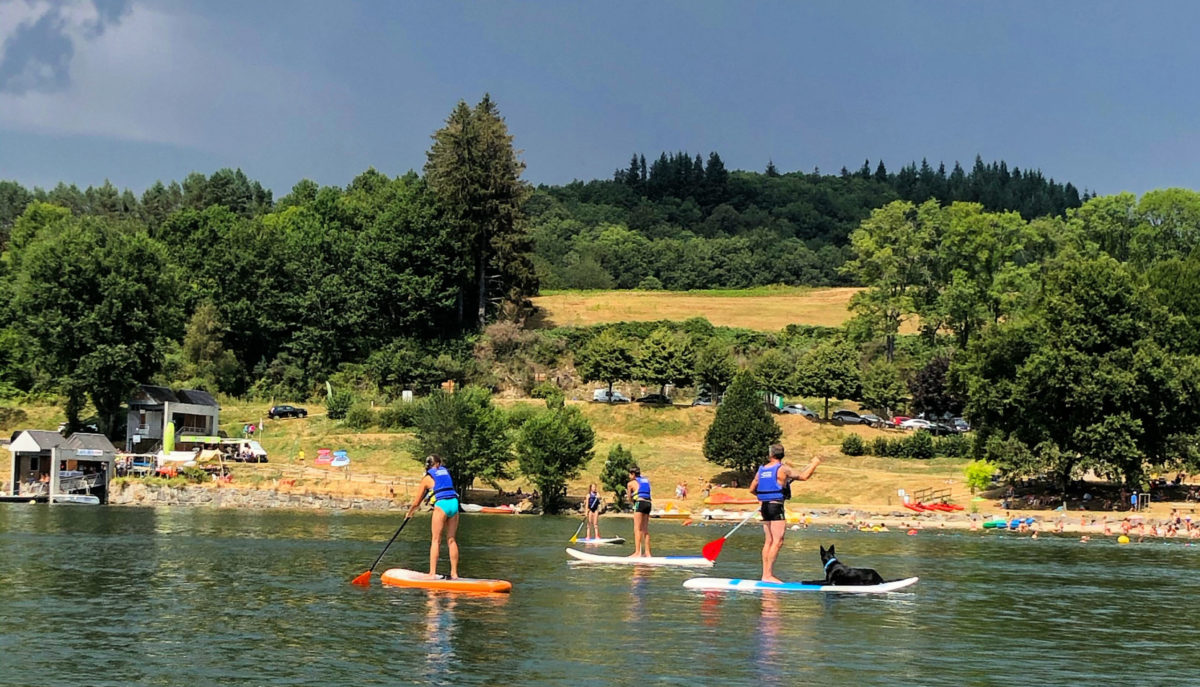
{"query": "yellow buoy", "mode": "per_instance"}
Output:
(1122, 539)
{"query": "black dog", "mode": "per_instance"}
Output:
(839, 573)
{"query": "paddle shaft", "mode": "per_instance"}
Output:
(743, 522)
(389, 544)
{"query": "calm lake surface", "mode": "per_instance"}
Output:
(118, 596)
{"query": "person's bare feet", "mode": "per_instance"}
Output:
(772, 578)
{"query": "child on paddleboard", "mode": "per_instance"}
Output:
(593, 512)
(445, 512)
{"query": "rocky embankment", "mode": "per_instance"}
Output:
(134, 494)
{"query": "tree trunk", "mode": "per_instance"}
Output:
(481, 276)
(826, 407)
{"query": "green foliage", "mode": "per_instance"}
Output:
(918, 445)
(979, 475)
(607, 358)
(775, 371)
(742, 430)
(882, 388)
(546, 389)
(194, 474)
(360, 416)
(468, 432)
(552, 447)
(829, 370)
(616, 473)
(517, 415)
(930, 389)
(206, 362)
(337, 404)
(650, 283)
(665, 357)
(12, 419)
(715, 367)
(852, 445)
(97, 300)
(398, 415)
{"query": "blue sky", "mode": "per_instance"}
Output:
(1101, 94)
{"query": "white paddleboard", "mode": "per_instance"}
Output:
(685, 561)
(592, 541)
(724, 584)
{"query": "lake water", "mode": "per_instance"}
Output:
(119, 596)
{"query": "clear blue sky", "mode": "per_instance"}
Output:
(1101, 94)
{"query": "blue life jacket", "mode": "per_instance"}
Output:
(643, 492)
(443, 485)
(768, 483)
(593, 501)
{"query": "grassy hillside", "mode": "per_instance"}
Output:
(763, 309)
(667, 442)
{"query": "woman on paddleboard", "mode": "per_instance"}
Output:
(772, 486)
(593, 512)
(445, 512)
(638, 489)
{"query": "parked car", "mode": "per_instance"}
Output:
(941, 429)
(655, 399)
(848, 417)
(915, 423)
(874, 420)
(899, 420)
(800, 409)
(602, 396)
(277, 412)
(960, 425)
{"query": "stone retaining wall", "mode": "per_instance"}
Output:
(134, 494)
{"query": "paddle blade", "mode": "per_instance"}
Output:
(363, 580)
(574, 538)
(713, 549)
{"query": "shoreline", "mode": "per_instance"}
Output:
(1154, 523)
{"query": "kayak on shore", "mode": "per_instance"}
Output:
(724, 584)
(399, 577)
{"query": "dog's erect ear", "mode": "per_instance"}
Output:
(831, 550)
(822, 551)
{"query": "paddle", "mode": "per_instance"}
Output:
(575, 537)
(713, 549)
(364, 580)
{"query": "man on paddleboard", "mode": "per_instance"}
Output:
(772, 486)
(638, 489)
(445, 512)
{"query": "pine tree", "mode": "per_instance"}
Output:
(773, 172)
(881, 174)
(742, 431)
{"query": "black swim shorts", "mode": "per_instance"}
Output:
(642, 507)
(772, 511)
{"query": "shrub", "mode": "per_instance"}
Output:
(979, 474)
(919, 445)
(338, 404)
(360, 416)
(650, 283)
(519, 414)
(616, 472)
(742, 430)
(880, 446)
(953, 446)
(194, 475)
(853, 445)
(398, 415)
(545, 389)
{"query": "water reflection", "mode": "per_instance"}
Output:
(768, 652)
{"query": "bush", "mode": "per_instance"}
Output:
(360, 416)
(953, 446)
(919, 445)
(468, 432)
(194, 475)
(853, 445)
(519, 414)
(552, 447)
(616, 472)
(880, 446)
(545, 390)
(338, 404)
(979, 474)
(650, 283)
(398, 415)
(12, 418)
(742, 430)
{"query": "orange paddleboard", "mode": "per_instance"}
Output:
(399, 577)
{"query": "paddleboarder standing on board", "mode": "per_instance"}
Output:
(638, 489)
(593, 512)
(772, 486)
(445, 512)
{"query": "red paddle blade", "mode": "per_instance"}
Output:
(363, 580)
(713, 549)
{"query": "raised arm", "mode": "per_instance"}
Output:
(806, 472)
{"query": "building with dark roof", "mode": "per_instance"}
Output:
(195, 414)
(47, 467)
